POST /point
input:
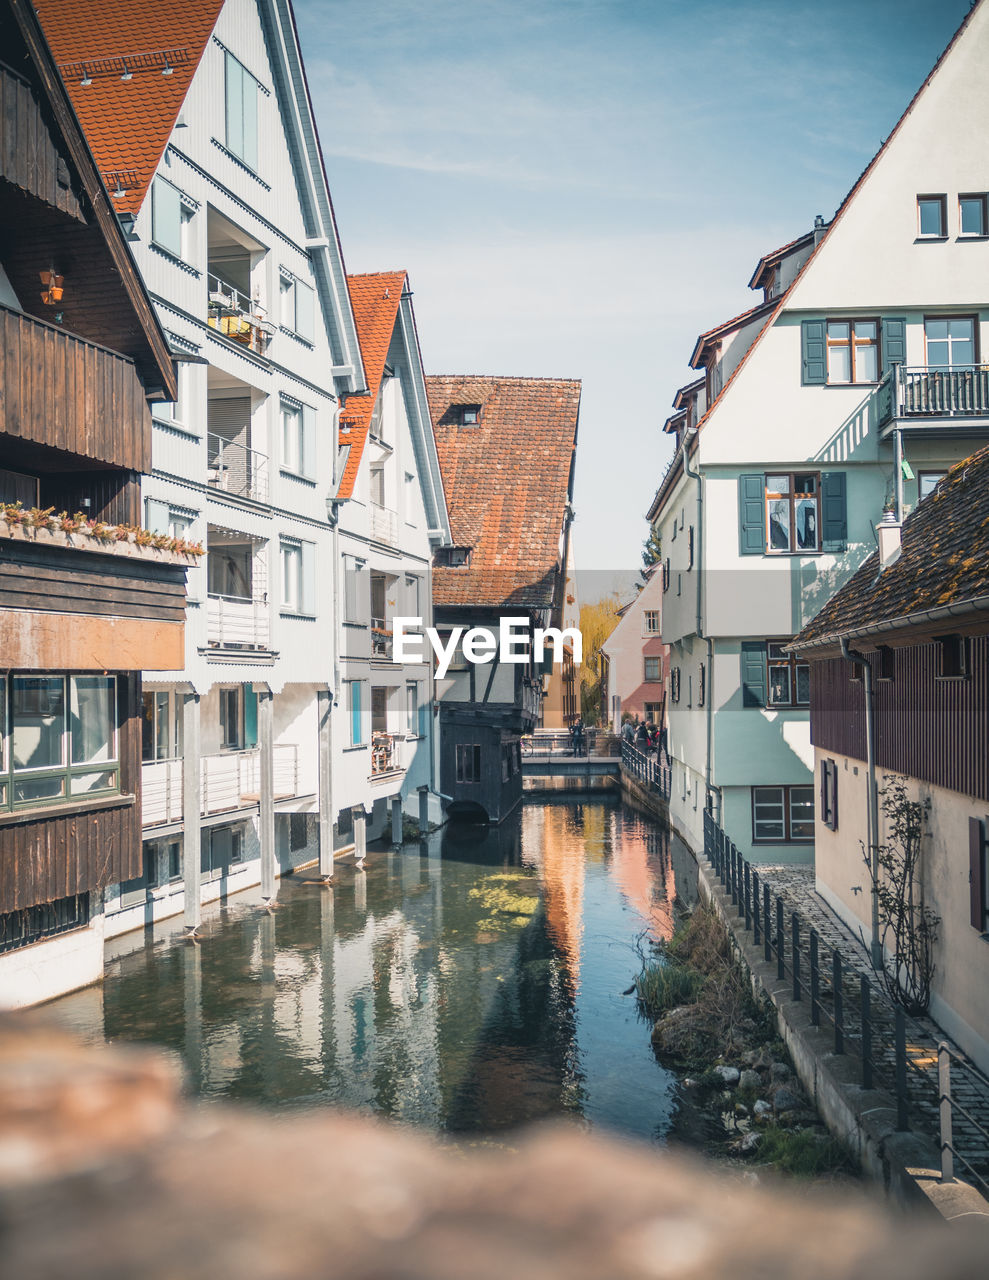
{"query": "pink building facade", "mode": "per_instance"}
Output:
(637, 660)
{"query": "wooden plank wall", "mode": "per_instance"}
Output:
(62, 391)
(29, 157)
(61, 853)
(114, 496)
(929, 728)
(51, 579)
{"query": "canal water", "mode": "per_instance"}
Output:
(466, 983)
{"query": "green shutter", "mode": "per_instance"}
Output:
(813, 353)
(894, 342)
(752, 515)
(250, 717)
(166, 217)
(753, 673)
(834, 512)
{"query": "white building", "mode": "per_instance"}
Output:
(209, 144)
(392, 517)
(856, 382)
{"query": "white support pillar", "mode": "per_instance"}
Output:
(266, 736)
(360, 833)
(324, 702)
(423, 811)
(396, 819)
(191, 808)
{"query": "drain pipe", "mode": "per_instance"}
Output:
(710, 790)
(852, 655)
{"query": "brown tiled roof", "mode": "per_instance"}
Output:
(943, 564)
(771, 259)
(128, 122)
(375, 299)
(507, 483)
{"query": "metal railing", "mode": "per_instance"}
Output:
(927, 391)
(557, 742)
(381, 638)
(384, 524)
(235, 468)
(235, 622)
(228, 780)
(647, 768)
(859, 1013)
(386, 753)
(235, 315)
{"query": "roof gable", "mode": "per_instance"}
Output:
(508, 481)
(128, 121)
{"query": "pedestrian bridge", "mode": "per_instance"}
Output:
(550, 764)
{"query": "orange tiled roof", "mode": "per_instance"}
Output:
(127, 123)
(375, 299)
(507, 482)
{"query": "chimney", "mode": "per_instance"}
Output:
(889, 540)
(819, 229)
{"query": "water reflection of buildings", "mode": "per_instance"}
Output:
(642, 867)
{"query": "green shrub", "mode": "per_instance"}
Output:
(801, 1152)
(664, 985)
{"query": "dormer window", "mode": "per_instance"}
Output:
(453, 557)
(469, 415)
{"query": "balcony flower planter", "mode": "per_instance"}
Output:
(47, 529)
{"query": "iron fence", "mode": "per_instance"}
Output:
(647, 768)
(928, 1081)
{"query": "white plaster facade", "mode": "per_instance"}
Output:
(870, 263)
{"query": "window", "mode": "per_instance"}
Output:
(161, 517)
(241, 112)
(15, 487)
(782, 815)
(674, 684)
(952, 657)
(885, 662)
(690, 547)
(58, 738)
(453, 557)
(232, 728)
(829, 794)
(950, 341)
(469, 415)
(927, 482)
(413, 595)
(972, 215)
(298, 307)
(377, 489)
(788, 679)
(666, 573)
(978, 874)
(932, 216)
(701, 685)
(412, 707)
(852, 351)
(651, 622)
(355, 592)
(171, 210)
(161, 725)
(298, 439)
(31, 924)
(793, 504)
(355, 713)
(653, 711)
(653, 670)
(291, 576)
(221, 848)
(468, 762)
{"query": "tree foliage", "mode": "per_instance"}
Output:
(652, 548)
(597, 621)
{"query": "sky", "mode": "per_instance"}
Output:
(577, 188)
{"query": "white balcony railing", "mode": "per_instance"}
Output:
(236, 316)
(384, 524)
(237, 623)
(234, 468)
(228, 780)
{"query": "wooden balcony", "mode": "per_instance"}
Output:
(67, 393)
(919, 394)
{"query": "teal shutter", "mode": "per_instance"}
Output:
(834, 512)
(307, 450)
(894, 342)
(355, 713)
(813, 353)
(752, 515)
(250, 717)
(753, 673)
